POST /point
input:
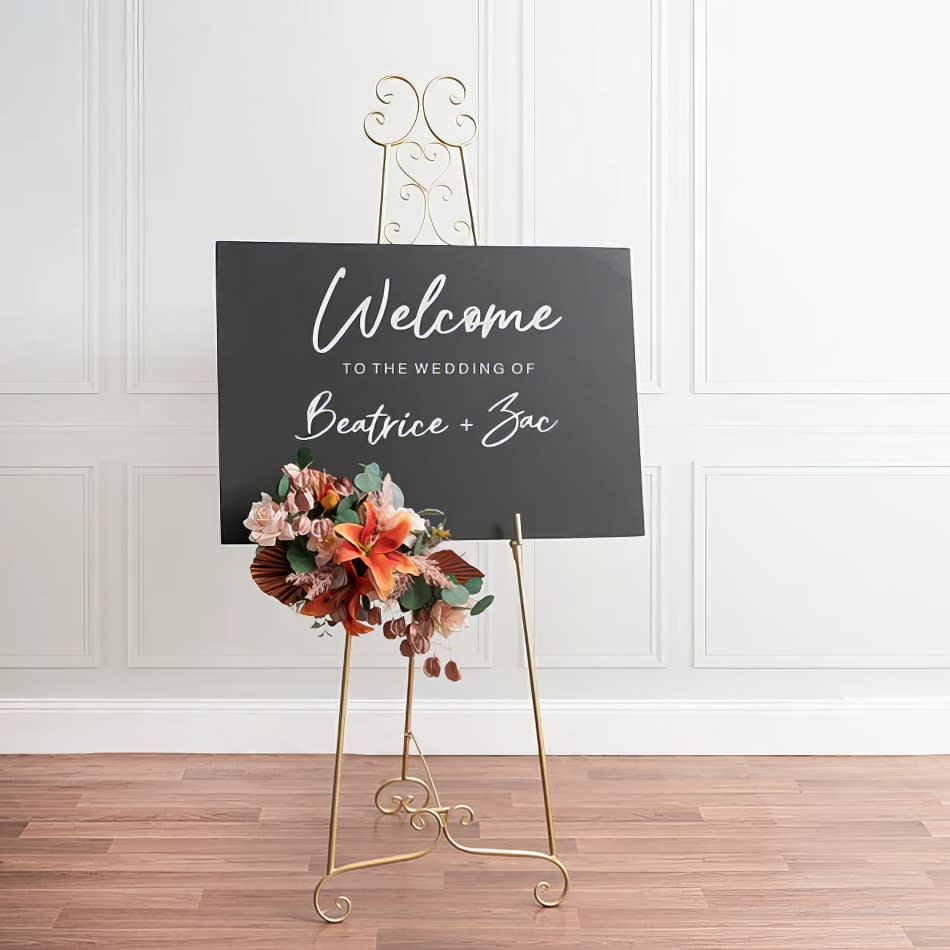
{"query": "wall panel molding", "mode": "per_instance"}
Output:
(88, 380)
(89, 618)
(703, 658)
(592, 660)
(651, 382)
(703, 325)
(137, 378)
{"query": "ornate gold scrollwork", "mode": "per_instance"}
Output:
(401, 802)
(385, 93)
(466, 817)
(419, 821)
(426, 153)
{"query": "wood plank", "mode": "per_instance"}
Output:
(163, 852)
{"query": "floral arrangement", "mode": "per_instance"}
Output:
(350, 552)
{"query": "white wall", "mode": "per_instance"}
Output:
(778, 169)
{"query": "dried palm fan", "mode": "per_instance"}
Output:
(270, 569)
(450, 563)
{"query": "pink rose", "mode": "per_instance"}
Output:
(446, 618)
(267, 522)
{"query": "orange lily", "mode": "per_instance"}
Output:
(346, 598)
(377, 551)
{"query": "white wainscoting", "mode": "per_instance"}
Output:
(49, 197)
(821, 196)
(778, 170)
(486, 727)
(591, 173)
(51, 571)
(240, 123)
(602, 636)
(821, 566)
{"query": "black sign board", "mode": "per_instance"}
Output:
(487, 380)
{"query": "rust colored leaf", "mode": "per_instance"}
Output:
(450, 563)
(270, 569)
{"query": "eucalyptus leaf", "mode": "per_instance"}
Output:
(368, 481)
(302, 561)
(347, 503)
(283, 486)
(347, 516)
(417, 596)
(473, 585)
(456, 596)
(374, 469)
(483, 604)
(399, 499)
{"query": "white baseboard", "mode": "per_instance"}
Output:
(840, 727)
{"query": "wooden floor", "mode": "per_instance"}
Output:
(171, 851)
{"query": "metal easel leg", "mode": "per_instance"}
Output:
(466, 815)
(407, 727)
(532, 677)
(425, 820)
(343, 903)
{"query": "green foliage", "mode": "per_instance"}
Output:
(347, 516)
(301, 560)
(283, 487)
(367, 482)
(482, 605)
(348, 503)
(304, 458)
(370, 479)
(456, 595)
(473, 585)
(417, 596)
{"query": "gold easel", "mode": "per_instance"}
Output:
(431, 815)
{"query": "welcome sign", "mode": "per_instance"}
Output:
(488, 380)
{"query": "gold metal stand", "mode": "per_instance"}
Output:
(430, 816)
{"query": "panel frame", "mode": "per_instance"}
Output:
(88, 381)
(704, 660)
(652, 384)
(91, 566)
(136, 380)
(702, 383)
(624, 661)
